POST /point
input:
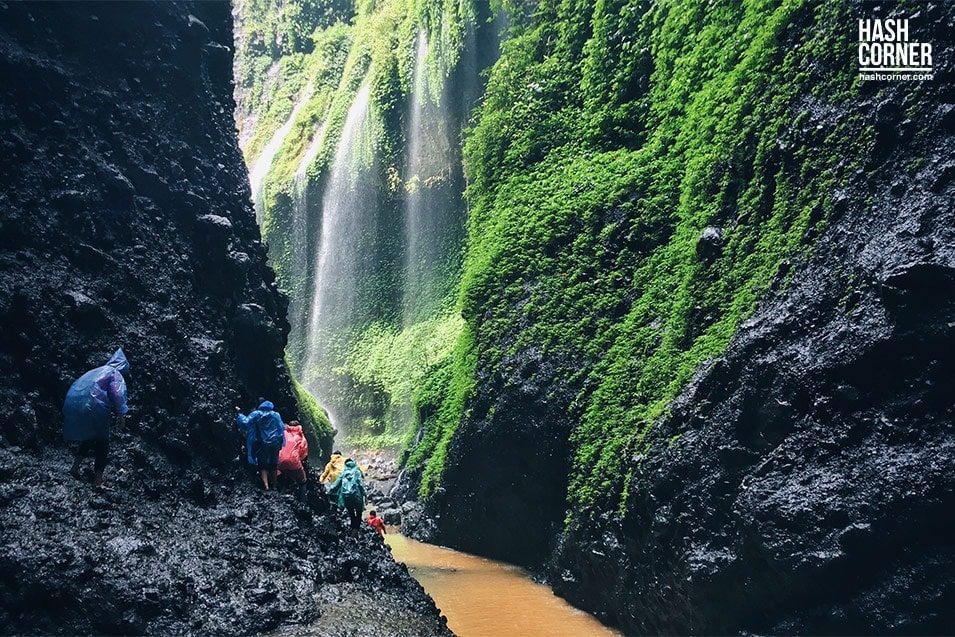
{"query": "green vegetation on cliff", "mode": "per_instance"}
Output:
(611, 137)
(318, 54)
(639, 176)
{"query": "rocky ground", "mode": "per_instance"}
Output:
(126, 221)
(224, 557)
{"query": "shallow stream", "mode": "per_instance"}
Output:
(481, 597)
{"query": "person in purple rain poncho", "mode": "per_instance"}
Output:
(87, 410)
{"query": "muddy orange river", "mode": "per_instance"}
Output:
(482, 597)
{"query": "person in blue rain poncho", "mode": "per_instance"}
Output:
(264, 437)
(87, 411)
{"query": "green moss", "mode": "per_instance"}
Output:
(313, 418)
(439, 404)
(587, 212)
(611, 134)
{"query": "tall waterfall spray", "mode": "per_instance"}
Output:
(261, 166)
(348, 220)
(300, 229)
(428, 202)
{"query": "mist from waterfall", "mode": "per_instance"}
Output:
(429, 171)
(347, 225)
(298, 258)
(262, 164)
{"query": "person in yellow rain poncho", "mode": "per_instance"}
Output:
(334, 467)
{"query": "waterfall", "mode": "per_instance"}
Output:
(347, 224)
(299, 256)
(427, 202)
(310, 153)
(262, 164)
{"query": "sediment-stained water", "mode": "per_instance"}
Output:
(481, 597)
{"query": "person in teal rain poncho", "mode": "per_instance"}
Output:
(90, 403)
(348, 491)
(264, 437)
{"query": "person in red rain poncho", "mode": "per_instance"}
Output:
(376, 522)
(292, 455)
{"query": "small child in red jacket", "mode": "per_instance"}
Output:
(377, 523)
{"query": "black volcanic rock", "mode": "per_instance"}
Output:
(126, 221)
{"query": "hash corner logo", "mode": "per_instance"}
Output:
(887, 51)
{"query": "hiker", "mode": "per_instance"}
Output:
(334, 467)
(87, 410)
(264, 437)
(376, 523)
(349, 493)
(292, 454)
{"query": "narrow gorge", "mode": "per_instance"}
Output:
(128, 221)
(654, 298)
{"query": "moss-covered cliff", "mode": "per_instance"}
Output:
(640, 176)
(692, 231)
(643, 178)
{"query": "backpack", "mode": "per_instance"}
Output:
(270, 430)
(351, 489)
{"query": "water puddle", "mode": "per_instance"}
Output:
(481, 597)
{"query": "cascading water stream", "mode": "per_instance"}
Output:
(426, 205)
(261, 166)
(299, 256)
(347, 221)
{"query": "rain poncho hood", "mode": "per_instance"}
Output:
(295, 449)
(118, 361)
(92, 398)
(262, 425)
(336, 463)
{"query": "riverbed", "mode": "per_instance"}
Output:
(485, 598)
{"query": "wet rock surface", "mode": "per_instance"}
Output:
(126, 221)
(504, 493)
(143, 559)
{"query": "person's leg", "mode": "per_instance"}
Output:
(100, 454)
(78, 454)
(354, 517)
(273, 466)
(262, 459)
(299, 479)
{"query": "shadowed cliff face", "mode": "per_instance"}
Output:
(126, 221)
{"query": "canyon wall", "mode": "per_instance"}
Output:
(708, 295)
